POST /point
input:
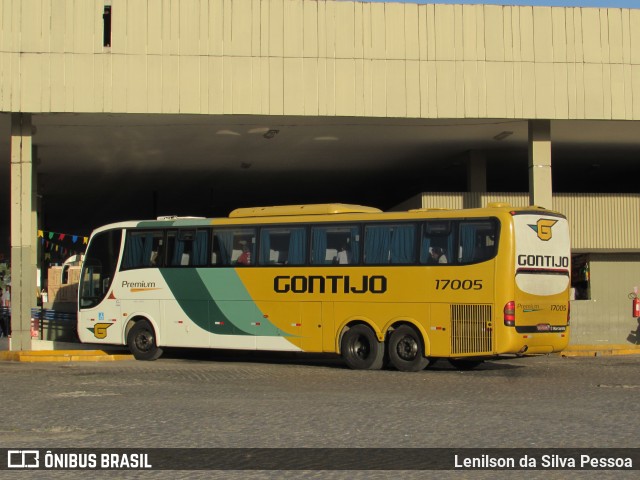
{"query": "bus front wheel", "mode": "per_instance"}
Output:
(141, 341)
(361, 350)
(406, 350)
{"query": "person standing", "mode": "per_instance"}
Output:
(4, 317)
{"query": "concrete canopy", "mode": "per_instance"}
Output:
(97, 168)
(372, 102)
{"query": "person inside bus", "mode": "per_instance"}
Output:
(344, 256)
(245, 256)
(438, 256)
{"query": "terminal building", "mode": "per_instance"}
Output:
(127, 109)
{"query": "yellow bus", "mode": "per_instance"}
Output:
(378, 288)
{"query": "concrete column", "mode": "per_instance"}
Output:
(540, 191)
(477, 172)
(22, 238)
(476, 179)
(36, 210)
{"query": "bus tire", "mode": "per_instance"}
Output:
(406, 350)
(361, 349)
(464, 364)
(141, 341)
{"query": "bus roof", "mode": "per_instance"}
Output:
(313, 209)
(295, 212)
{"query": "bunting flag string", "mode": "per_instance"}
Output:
(64, 244)
(62, 236)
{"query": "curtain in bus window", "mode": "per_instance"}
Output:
(200, 248)
(225, 239)
(178, 250)
(265, 247)
(402, 243)
(467, 242)
(146, 250)
(376, 244)
(355, 244)
(132, 252)
(450, 249)
(138, 251)
(297, 242)
(425, 249)
(319, 250)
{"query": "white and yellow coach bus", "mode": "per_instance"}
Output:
(404, 288)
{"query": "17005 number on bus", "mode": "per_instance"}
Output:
(455, 284)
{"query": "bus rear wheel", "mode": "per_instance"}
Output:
(361, 349)
(141, 341)
(464, 364)
(406, 350)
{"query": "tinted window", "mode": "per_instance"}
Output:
(143, 249)
(389, 244)
(437, 242)
(187, 248)
(335, 245)
(477, 240)
(234, 247)
(283, 246)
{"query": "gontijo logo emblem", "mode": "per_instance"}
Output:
(99, 330)
(543, 228)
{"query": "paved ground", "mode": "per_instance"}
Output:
(203, 399)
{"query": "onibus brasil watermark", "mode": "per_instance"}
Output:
(549, 461)
(32, 459)
(321, 459)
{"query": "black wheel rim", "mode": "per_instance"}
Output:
(407, 348)
(144, 341)
(359, 347)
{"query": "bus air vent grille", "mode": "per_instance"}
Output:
(471, 328)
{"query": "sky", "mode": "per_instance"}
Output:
(550, 3)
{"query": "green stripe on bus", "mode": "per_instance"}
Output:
(217, 301)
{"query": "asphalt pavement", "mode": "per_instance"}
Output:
(208, 399)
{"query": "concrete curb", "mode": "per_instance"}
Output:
(599, 350)
(63, 356)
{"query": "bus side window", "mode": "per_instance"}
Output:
(477, 241)
(389, 244)
(436, 244)
(200, 248)
(142, 249)
(180, 245)
(336, 244)
(216, 257)
(283, 245)
(156, 259)
(233, 247)
(222, 247)
(187, 248)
